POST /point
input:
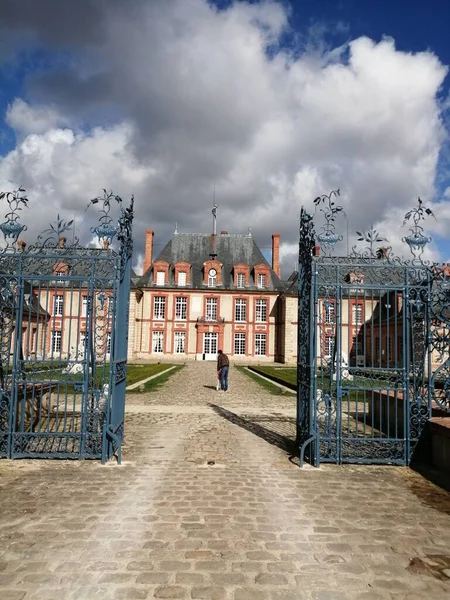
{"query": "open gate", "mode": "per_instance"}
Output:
(373, 338)
(63, 337)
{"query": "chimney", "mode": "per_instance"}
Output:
(213, 250)
(276, 253)
(148, 257)
(316, 251)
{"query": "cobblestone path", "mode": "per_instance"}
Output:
(209, 505)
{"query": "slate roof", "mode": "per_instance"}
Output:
(231, 250)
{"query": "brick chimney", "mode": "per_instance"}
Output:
(148, 257)
(276, 253)
(316, 251)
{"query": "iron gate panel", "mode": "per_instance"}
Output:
(372, 348)
(60, 306)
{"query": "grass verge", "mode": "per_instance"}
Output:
(155, 384)
(285, 375)
(136, 373)
(270, 387)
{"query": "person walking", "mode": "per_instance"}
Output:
(223, 365)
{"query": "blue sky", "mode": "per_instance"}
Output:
(127, 80)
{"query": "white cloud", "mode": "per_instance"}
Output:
(203, 102)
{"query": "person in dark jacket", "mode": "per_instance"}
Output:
(223, 365)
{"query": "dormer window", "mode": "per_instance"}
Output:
(261, 281)
(160, 278)
(240, 280)
(181, 279)
(212, 278)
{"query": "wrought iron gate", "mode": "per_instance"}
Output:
(373, 340)
(63, 336)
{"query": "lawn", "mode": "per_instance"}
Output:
(285, 375)
(270, 387)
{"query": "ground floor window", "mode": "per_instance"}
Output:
(158, 341)
(179, 342)
(239, 343)
(260, 344)
(56, 341)
(210, 343)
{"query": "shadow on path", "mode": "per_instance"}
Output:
(281, 435)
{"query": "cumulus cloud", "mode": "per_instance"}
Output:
(205, 98)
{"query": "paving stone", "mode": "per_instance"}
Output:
(12, 594)
(130, 593)
(172, 591)
(271, 579)
(208, 593)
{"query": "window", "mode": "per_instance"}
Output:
(240, 280)
(86, 306)
(179, 342)
(58, 305)
(260, 344)
(59, 273)
(56, 341)
(354, 348)
(356, 314)
(329, 345)
(182, 279)
(239, 343)
(211, 309)
(160, 278)
(180, 308)
(212, 276)
(240, 309)
(330, 312)
(261, 281)
(261, 311)
(83, 341)
(108, 343)
(158, 341)
(159, 307)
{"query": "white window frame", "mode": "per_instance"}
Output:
(261, 311)
(160, 277)
(56, 342)
(329, 345)
(158, 342)
(212, 280)
(330, 312)
(240, 310)
(179, 342)
(58, 305)
(357, 313)
(239, 344)
(260, 344)
(159, 308)
(211, 309)
(240, 280)
(261, 281)
(182, 278)
(181, 308)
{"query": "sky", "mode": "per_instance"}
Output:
(262, 105)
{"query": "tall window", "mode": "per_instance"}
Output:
(329, 345)
(261, 311)
(56, 342)
(180, 308)
(160, 279)
(261, 281)
(330, 311)
(260, 344)
(108, 343)
(85, 306)
(240, 280)
(212, 278)
(357, 314)
(59, 305)
(83, 341)
(211, 309)
(159, 307)
(239, 343)
(240, 309)
(158, 341)
(181, 279)
(179, 342)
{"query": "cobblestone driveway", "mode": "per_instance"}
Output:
(208, 505)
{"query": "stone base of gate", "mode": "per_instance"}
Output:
(440, 440)
(386, 413)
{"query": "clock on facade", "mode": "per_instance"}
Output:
(212, 272)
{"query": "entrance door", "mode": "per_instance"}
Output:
(210, 346)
